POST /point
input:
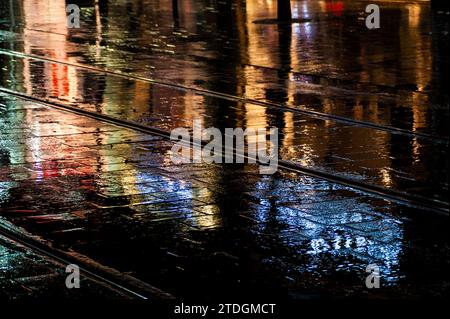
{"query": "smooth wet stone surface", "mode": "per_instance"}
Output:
(394, 78)
(191, 228)
(207, 231)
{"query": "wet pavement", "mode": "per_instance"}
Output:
(404, 116)
(28, 276)
(365, 105)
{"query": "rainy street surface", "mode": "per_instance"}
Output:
(86, 176)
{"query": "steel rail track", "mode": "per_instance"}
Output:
(397, 196)
(128, 286)
(392, 89)
(205, 92)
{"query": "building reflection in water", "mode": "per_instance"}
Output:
(272, 47)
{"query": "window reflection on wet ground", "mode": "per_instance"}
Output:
(366, 106)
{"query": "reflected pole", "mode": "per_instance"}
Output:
(175, 13)
(284, 11)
